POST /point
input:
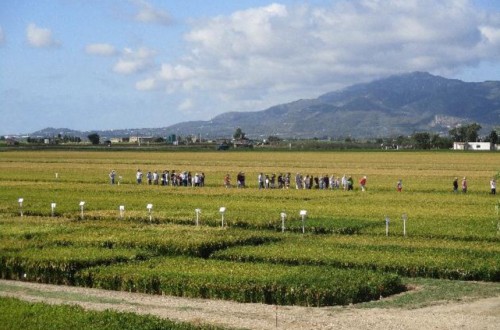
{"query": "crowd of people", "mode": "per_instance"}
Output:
(272, 181)
(299, 181)
(166, 178)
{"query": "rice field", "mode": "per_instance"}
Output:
(444, 235)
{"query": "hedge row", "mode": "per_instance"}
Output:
(20, 315)
(159, 239)
(243, 282)
(415, 258)
(58, 265)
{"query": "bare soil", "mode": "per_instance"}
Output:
(466, 314)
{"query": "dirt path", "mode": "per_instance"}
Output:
(479, 314)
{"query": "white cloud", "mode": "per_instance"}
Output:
(100, 49)
(147, 13)
(261, 56)
(186, 106)
(134, 61)
(146, 84)
(40, 37)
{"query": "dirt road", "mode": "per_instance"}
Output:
(479, 314)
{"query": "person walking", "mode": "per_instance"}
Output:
(260, 180)
(138, 176)
(464, 185)
(493, 186)
(350, 183)
(455, 185)
(112, 175)
(362, 183)
(227, 181)
(399, 185)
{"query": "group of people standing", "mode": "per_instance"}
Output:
(166, 178)
(271, 181)
(284, 181)
(464, 185)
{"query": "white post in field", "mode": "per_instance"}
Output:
(222, 210)
(283, 217)
(52, 209)
(150, 208)
(197, 211)
(405, 217)
(82, 203)
(303, 214)
(20, 201)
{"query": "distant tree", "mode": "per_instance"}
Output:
(422, 140)
(94, 138)
(441, 142)
(238, 134)
(472, 132)
(273, 139)
(493, 137)
(2, 138)
(465, 133)
(159, 140)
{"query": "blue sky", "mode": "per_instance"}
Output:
(105, 64)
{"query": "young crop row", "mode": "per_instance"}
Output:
(413, 258)
(58, 265)
(244, 282)
(21, 315)
(429, 215)
(57, 252)
(158, 239)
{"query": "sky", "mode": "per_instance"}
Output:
(116, 64)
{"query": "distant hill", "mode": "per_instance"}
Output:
(397, 105)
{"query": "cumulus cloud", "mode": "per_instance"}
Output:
(260, 56)
(146, 84)
(186, 106)
(40, 37)
(101, 49)
(147, 13)
(134, 61)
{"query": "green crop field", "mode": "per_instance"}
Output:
(343, 251)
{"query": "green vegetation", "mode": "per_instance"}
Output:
(21, 315)
(343, 257)
(244, 282)
(416, 258)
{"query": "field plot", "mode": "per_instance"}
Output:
(162, 250)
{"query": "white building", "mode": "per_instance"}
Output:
(485, 146)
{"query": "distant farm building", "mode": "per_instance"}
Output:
(479, 146)
(141, 139)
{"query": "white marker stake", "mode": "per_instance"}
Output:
(198, 211)
(57, 176)
(222, 210)
(150, 207)
(405, 217)
(21, 200)
(122, 211)
(52, 208)
(82, 203)
(387, 226)
(303, 214)
(283, 216)
(497, 208)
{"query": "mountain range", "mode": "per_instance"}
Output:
(396, 105)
